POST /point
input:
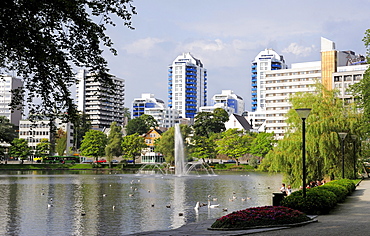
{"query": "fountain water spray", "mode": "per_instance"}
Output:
(180, 162)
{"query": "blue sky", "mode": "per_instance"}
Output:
(226, 36)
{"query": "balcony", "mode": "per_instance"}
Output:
(190, 87)
(191, 91)
(254, 80)
(254, 85)
(190, 82)
(190, 100)
(191, 78)
(191, 74)
(189, 96)
(254, 94)
(191, 69)
(254, 98)
(254, 89)
(254, 71)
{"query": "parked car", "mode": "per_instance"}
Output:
(101, 161)
(88, 161)
(115, 161)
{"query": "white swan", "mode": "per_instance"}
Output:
(197, 206)
(212, 206)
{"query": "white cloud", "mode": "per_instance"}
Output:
(298, 50)
(143, 46)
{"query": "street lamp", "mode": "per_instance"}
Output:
(303, 114)
(354, 137)
(342, 135)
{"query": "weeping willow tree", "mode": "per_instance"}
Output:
(329, 115)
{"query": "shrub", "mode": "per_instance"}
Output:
(260, 216)
(340, 191)
(344, 182)
(317, 201)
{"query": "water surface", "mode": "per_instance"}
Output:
(103, 203)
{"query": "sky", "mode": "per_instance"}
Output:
(226, 36)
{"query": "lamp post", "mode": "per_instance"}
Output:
(354, 137)
(303, 114)
(342, 135)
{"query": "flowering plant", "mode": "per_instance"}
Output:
(260, 216)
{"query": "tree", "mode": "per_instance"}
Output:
(141, 124)
(113, 147)
(81, 125)
(43, 148)
(42, 41)
(20, 149)
(360, 90)
(210, 122)
(132, 146)
(329, 115)
(93, 144)
(61, 142)
(7, 130)
(234, 144)
(262, 144)
(166, 144)
(203, 147)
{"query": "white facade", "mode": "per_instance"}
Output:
(347, 76)
(283, 83)
(7, 83)
(266, 60)
(33, 132)
(187, 80)
(103, 105)
(230, 99)
(229, 110)
(148, 104)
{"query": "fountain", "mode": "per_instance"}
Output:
(180, 162)
(182, 167)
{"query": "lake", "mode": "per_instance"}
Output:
(118, 203)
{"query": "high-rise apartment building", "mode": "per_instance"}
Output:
(266, 60)
(7, 83)
(148, 104)
(336, 70)
(187, 80)
(103, 105)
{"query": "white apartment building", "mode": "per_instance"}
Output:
(7, 83)
(148, 104)
(266, 60)
(103, 105)
(280, 85)
(33, 132)
(187, 80)
(230, 99)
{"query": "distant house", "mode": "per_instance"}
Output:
(238, 122)
(148, 155)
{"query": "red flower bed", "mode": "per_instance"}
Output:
(260, 216)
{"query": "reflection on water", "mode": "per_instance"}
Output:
(102, 203)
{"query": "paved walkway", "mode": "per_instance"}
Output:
(349, 218)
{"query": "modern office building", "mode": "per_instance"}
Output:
(103, 105)
(187, 90)
(148, 104)
(7, 83)
(346, 76)
(34, 131)
(266, 60)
